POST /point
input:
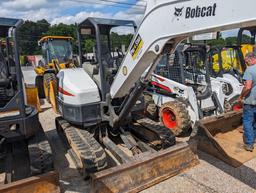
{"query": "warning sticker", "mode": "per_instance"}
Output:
(137, 45)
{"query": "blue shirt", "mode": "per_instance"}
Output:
(250, 74)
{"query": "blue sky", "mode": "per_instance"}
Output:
(71, 11)
(74, 11)
(105, 8)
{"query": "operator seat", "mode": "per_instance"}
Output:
(176, 69)
(108, 64)
(106, 56)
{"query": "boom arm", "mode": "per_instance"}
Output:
(170, 21)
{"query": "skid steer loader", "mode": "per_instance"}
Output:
(182, 91)
(100, 106)
(24, 149)
(57, 54)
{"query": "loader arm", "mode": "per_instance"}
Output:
(167, 22)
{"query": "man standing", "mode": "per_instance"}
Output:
(248, 96)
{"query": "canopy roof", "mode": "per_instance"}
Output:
(104, 24)
(6, 23)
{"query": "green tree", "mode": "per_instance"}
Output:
(246, 39)
(231, 41)
(29, 34)
(64, 30)
(118, 40)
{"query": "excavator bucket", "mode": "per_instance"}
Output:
(45, 183)
(146, 170)
(32, 97)
(222, 137)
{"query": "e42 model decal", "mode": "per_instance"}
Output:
(136, 47)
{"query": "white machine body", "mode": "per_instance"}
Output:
(165, 21)
(186, 93)
(230, 82)
(78, 96)
(76, 87)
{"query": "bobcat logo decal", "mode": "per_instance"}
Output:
(178, 12)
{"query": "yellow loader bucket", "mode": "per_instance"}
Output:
(32, 97)
(222, 137)
(45, 183)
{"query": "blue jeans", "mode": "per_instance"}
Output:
(249, 118)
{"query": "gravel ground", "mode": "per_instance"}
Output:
(210, 176)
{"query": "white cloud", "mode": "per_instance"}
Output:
(52, 10)
(24, 4)
(79, 17)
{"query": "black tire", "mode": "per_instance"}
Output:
(40, 154)
(174, 115)
(151, 109)
(40, 86)
(48, 77)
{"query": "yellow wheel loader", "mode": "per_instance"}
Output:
(57, 54)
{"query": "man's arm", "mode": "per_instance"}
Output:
(246, 89)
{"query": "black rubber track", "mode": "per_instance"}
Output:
(89, 150)
(40, 154)
(165, 135)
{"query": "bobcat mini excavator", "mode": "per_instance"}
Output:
(100, 110)
(26, 162)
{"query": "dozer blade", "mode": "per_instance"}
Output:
(146, 170)
(221, 137)
(32, 97)
(45, 183)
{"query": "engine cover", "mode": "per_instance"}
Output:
(76, 87)
(78, 97)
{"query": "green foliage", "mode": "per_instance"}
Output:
(217, 42)
(246, 39)
(64, 30)
(29, 34)
(88, 45)
(118, 40)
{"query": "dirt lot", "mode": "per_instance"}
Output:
(210, 176)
